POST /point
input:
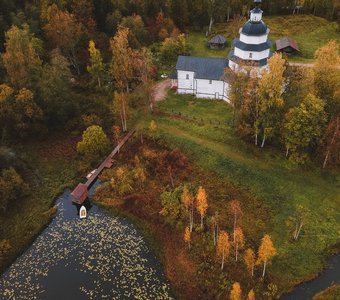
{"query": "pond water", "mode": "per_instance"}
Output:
(307, 290)
(100, 257)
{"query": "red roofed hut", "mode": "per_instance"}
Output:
(287, 45)
(80, 193)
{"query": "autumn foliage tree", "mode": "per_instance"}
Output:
(270, 90)
(21, 58)
(187, 236)
(239, 241)
(303, 128)
(251, 295)
(96, 66)
(64, 32)
(236, 212)
(236, 292)
(188, 200)
(249, 260)
(201, 203)
(266, 252)
(94, 142)
(298, 220)
(223, 247)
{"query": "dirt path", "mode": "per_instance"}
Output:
(304, 65)
(160, 90)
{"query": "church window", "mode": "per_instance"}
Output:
(187, 77)
(210, 81)
(250, 55)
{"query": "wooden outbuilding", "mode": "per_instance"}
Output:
(287, 45)
(217, 42)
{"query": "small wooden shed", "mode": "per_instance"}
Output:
(217, 42)
(287, 45)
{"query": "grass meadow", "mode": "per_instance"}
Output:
(309, 31)
(201, 129)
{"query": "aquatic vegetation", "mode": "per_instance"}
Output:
(107, 254)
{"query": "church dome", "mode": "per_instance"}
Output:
(254, 28)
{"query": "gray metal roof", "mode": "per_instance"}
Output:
(254, 28)
(218, 39)
(204, 68)
(252, 47)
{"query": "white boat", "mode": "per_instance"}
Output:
(90, 174)
(82, 212)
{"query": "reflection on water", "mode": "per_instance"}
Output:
(101, 257)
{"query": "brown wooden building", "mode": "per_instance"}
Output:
(287, 45)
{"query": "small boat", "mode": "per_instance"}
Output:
(82, 212)
(90, 174)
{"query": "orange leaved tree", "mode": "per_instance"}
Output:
(223, 247)
(266, 252)
(201, 203)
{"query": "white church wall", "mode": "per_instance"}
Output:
(249, 55)
(186, 82)
(211, 89)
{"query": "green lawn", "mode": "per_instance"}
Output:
(266, 174)
(309, 31)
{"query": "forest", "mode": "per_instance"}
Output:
(75, 75)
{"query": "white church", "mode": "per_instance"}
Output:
(204, 77)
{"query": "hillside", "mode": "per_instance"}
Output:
(309, 31)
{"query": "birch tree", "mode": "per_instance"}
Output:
(270, 90)
(239, 241)
(266, 252)
(223, 247)
(187, 236)
(21, 57)
(303, 128)
(249, 260)
(120, 108)
(96, 66)
(214, 223)
(64, 32)
(251, 295)
(332, 133)
(236, 211)
(121, 68)
(201, 203)
(188, 201)
(236, 292)
(299, 219)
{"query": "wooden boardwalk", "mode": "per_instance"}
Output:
(80, 193)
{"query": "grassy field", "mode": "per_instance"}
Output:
(265, 174)
(309, 31)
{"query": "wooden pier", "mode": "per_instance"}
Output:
(80, 193)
